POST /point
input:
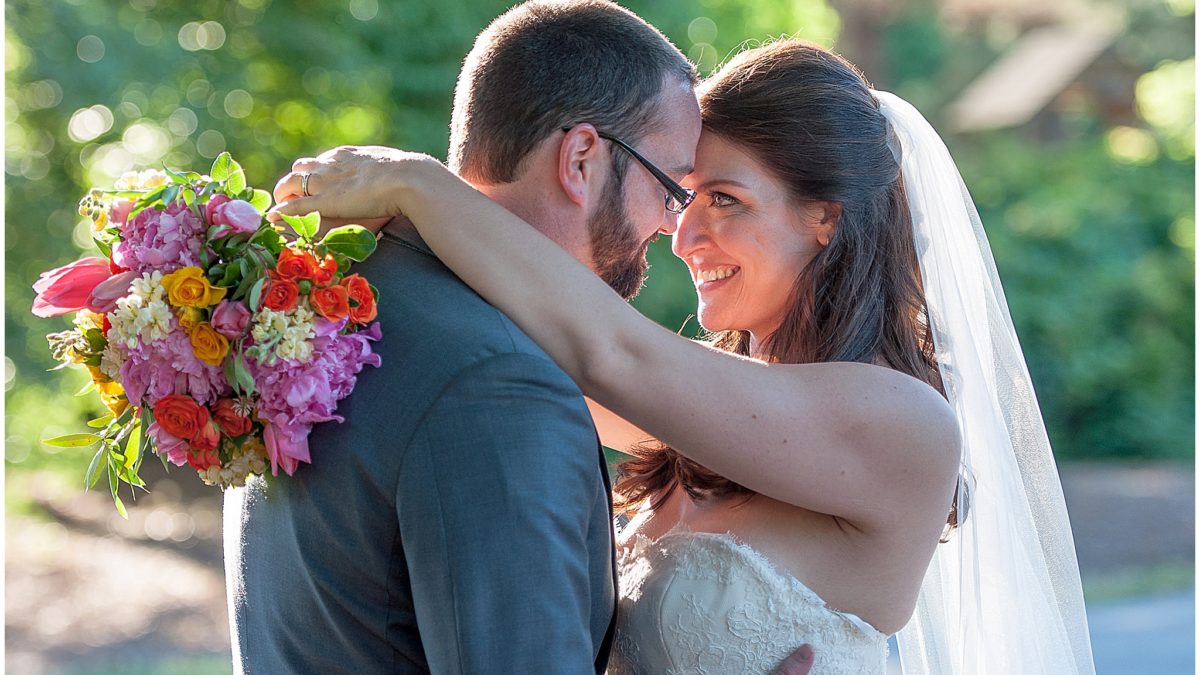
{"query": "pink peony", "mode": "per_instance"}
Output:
(287, 446)
(66, 289)
(293, 396)
(104, 296)
(230, 319)
(160, 239)
(169, 366)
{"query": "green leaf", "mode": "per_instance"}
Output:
(221, 167)
(237, 178)
(120, 506)
(94, 469)
(353, 241)
(89, 387)
(241, 373)
(231, 274)
(100, 422)
(133, 448)
(256, 293)
(104, 246)
(72, 441)
(305, 226)
(171, 194)
(261, 200)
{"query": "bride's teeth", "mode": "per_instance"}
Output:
(717, 274)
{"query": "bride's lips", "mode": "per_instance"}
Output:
(711, 278)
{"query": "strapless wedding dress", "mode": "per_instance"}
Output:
(703, 603)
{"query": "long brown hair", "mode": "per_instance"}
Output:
(808, 115)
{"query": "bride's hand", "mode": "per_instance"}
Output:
(349, 184)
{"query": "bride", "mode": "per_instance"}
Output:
(856, 452)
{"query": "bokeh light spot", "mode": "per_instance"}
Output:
(1131, 145)
(239, 103)
(89, 123)
(210, 143)
(702, 29)
(89, 49)
(364, 10)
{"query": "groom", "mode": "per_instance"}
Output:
(459, 520)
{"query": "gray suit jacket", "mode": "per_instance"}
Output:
(458, 521)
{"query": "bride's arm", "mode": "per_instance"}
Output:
(615, 431)
(857, 441)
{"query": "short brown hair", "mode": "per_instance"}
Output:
(542, 66)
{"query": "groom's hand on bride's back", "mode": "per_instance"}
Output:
(798, 662)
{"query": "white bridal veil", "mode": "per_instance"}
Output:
(1003, 595)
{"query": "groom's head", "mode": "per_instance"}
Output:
(595, 69)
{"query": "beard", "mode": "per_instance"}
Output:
(617, 256)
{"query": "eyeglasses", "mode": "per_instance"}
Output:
(677, 198)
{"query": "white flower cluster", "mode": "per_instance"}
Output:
(141, 180)
(235, 473)
(86, 319)
(283, 335)
(143, 313)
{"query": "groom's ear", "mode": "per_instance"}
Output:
(580, 171)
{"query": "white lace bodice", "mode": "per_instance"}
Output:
(702, 603)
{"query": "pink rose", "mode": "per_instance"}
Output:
(211, 207)
(67, 288)
(104, 296)
(230, 319)
(175, 448)
(240, 216)
(287, 446)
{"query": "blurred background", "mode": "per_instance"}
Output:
(1073, 123)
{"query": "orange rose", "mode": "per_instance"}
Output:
(362, 300)
(179, 416)
(207, 436)
(281, 295)
(296, 265)
(332, 302)
(326, 270)
(225, 414)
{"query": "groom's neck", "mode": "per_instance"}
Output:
(533, 201)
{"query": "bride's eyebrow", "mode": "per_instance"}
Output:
(708, 185)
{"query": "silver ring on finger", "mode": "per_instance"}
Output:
(304, 184)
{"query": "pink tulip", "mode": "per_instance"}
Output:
(67, 288)
(230, 319)
(104, 296)
(287, 446)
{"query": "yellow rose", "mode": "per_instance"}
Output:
(187, 287)
(189, 317)
(97, 375)
(207, 344)
(115, 404)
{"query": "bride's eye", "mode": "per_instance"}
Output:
(720, 199)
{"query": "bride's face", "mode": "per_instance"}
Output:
(744, 239)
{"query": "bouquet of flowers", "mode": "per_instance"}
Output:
(213, 339)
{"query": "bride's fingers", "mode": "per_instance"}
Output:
(304, 164)
(298, 206)
(293, 184)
